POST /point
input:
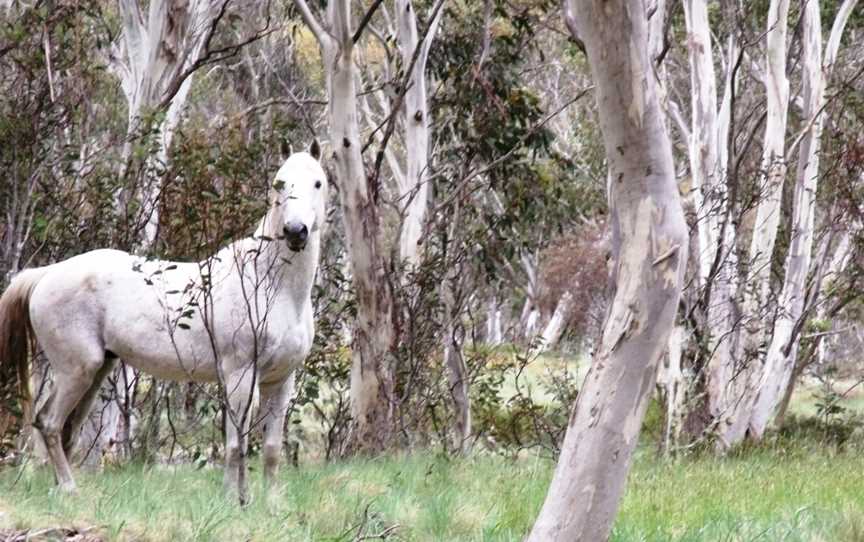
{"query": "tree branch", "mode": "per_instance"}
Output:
(312, 22)
(366, 18)
(570, 21)
(213, 55)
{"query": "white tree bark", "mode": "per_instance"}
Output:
(371, 380)
(670, 380)
(494, 326)
(555, 327)
(702, 147)
(650, 243)
(152, 58)
(744, 383)
(532, 322)
(708, 154)
(780, 361)
(414, 192)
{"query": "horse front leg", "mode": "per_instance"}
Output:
(239, 391)
(275, 397)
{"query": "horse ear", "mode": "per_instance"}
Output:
(285, 149)
(315, 149)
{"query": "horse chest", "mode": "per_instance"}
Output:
(285, 347)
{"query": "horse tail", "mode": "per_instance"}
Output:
(16, 332)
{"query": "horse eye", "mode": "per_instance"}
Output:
(317, 184)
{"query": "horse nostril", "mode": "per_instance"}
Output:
(296, 232)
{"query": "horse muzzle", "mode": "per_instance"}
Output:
(296, 235)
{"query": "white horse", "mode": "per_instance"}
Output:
(242, 317)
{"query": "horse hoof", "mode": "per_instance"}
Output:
(67, 488)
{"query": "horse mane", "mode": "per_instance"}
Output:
(16, 332)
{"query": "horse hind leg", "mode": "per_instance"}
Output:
(71, 383)
(72, 427)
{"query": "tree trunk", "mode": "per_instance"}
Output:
(703, 135)
(780, 360)
(494, 327)
(670, 380)
(555, 327)
(744, 383)
(414, 194)
(650, 246)
(778, 363)
(457, 370)
(721, 326)
(371, 377)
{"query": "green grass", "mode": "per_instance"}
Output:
(763, 494)
(809, 393)
(537, 372)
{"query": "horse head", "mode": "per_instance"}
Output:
(298, 198)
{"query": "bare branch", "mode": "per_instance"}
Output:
(312, 22)
(213, 55)
(570, 21)
(365, 21)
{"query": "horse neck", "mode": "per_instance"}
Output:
(291, 273)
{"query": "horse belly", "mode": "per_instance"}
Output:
(142, 334)
(167, 356)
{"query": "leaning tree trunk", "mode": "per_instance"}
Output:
(555, 327)
(650, 246)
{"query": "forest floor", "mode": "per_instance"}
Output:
(782, 491)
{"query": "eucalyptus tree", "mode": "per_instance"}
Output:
(781, 353)
(650, 252)
(371, 378)
(732, 309)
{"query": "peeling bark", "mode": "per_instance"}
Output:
(650, 248)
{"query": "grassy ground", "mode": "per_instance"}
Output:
(765, 494)
(788, 490)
